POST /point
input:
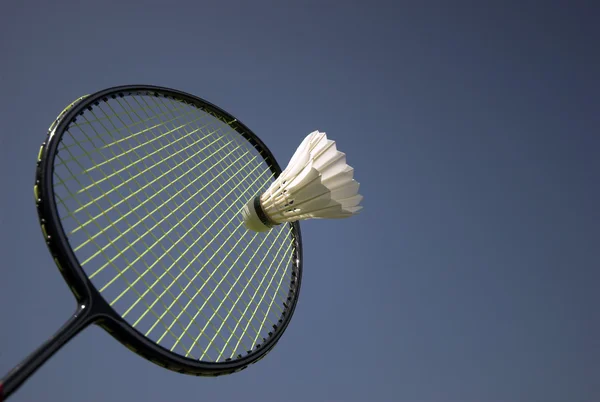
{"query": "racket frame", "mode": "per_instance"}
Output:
(91, 306)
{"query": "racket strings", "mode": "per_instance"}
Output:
(118, 269)
(129, 127)
(265, 314)
(242, 238)
(126, 167)
(216, 287)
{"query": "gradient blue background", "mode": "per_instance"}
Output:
(472, 274)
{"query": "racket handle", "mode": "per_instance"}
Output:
(15, 378)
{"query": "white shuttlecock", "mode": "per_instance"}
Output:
(316, 184)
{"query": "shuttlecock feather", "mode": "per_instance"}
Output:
(316, 184)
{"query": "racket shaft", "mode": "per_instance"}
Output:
(15, 378)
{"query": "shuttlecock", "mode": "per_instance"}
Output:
(316, 184)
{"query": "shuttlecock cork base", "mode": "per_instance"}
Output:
(316, 184)
(255, 217)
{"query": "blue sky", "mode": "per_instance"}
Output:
(472, 272)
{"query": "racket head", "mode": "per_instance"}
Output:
(68, 258)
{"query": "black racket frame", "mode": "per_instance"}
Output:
(91, 306)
